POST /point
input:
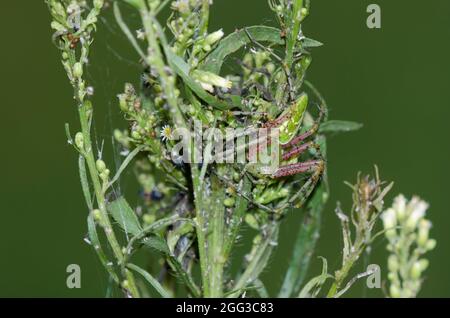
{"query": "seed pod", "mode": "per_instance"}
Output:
(101, 166)
(79, 140)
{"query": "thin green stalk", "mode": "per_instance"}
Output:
(204, 21)
(294, 29)
(85, 111)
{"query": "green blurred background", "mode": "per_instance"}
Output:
(394, 80)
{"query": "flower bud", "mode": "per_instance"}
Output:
(389, 222)
(251, 221)
(98, 4)
(58, 9)
(431, 244)
(393, 264)
(214, 37)
(424, 230)
(123, 104)
(400, 207)
(135, 135)
(416, 270)
(78, 70)
(395, 291)
(105, 175)
(424, 264)
(209, 78)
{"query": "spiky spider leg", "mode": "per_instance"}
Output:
(296, 168)
(305, 191)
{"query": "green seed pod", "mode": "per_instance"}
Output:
(79, 140)
(78, 70)
(97, 215)
(101, 166)
(251, 221)
(149, 219)
(229, 202)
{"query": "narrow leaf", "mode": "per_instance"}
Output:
(313, 287)
(335, 126)
(183, 70)
(149, 278)
(232, 43)
(307, 43)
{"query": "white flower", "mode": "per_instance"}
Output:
(389, 218)
(166, 133)
(417, 210)
(389, 221)
(400, 206)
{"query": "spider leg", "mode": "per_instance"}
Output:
(299, 150)
(305, 191)
(296, 168)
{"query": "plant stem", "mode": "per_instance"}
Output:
(85, 111)
(294, 29)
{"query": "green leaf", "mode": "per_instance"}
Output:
(183, 70)
(93, 237)
(157, 243)
(149, 278)
(335, 126)
(312, 288)
(232, 43)
(307, 43)
(124, 215)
